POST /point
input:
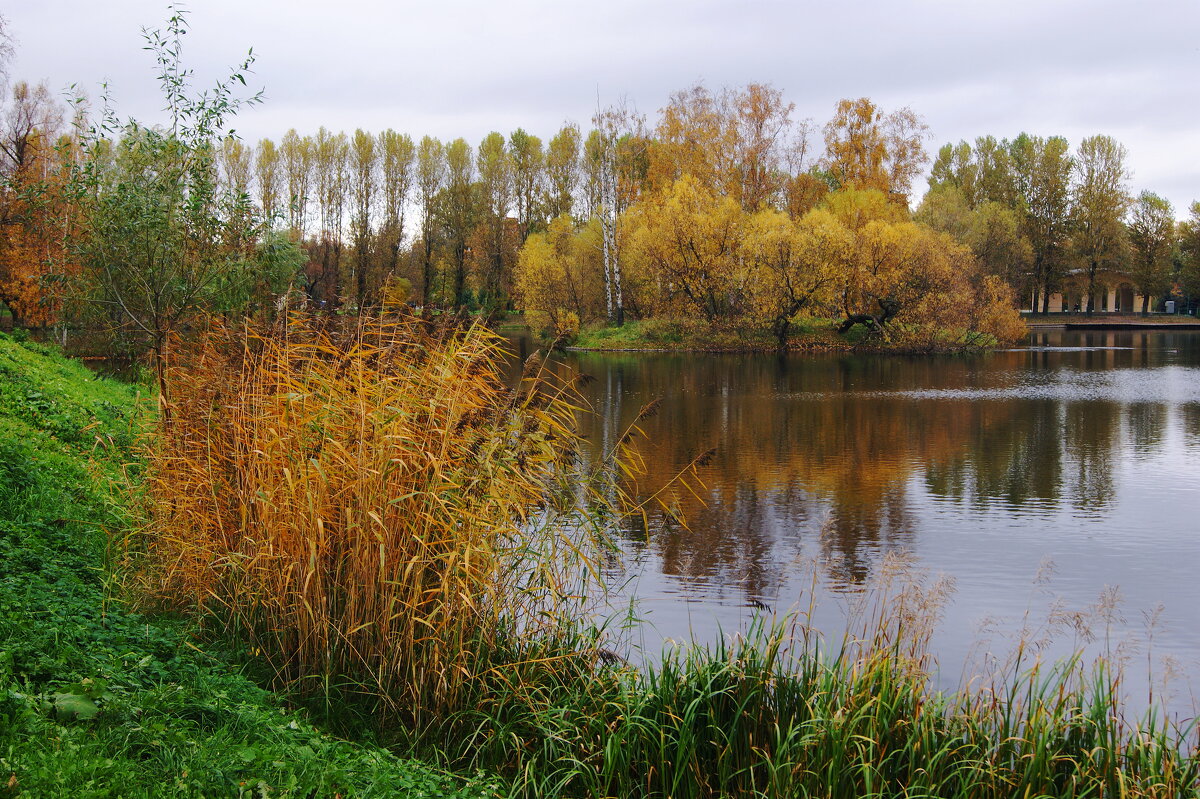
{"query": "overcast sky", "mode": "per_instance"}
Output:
(455, 68)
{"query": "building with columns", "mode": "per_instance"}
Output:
(1115, 293)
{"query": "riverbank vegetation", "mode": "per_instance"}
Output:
(359, 511)
(434, 605)
(725, 209)
(96, 698)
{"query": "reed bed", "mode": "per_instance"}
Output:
(353, 502)
(395, 533)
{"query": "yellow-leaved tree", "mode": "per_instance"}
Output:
(558, 278)
(906, 283)
(790, 266)
(687, 241)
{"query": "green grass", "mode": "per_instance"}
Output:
(95, 699)
(773, 715)
(697, 335)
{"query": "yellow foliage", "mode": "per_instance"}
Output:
(358, 504)
(791, 266)
(854, 208)
(396, 291)
(687, 240)
(558, 280)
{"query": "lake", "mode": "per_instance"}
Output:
(1056, 485)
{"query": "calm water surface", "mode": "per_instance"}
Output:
(1035, 478)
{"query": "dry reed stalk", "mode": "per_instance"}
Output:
(357, 503)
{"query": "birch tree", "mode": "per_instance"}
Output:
(612, 142)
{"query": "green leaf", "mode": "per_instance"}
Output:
(71, 707)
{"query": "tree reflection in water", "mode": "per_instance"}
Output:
(818, 456)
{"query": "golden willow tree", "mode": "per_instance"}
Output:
(721, 218)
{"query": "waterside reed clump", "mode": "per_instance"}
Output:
(353, 500)
(371, 509)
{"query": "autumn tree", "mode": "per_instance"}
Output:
(364, 198)
(558, 280)
(689, 240)
(457, 210)
(999, 246)
(160, 237)
(1152, 238)
(1042, 169)
(955, 168)
(991, 230)
(236, 164)
(804, 191)
(31, 207)
(1189, 247)
(495, 168)
(298, 156)
(334, 281)
(431, 177)
(1100, 198)
(397, 174)
(906, 283)
(994, 178)
(528, 162)
(855, 208)
(946, 209)
(867, 149)
(269, 176)
(766, 141)
(563, 172)
(738, 143)
(696, 137)
(614, 151)
(790, 265)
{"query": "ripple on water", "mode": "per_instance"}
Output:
(1171, 385)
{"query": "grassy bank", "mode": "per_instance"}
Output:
(808, 334)
(696, 335)
(97, 700)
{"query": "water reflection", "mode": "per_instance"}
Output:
(1079, 448)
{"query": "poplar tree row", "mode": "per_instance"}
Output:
(1042, 216)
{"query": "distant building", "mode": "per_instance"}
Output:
(1115, 293)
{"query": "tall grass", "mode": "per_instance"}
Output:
(372, 510)
(355, 504)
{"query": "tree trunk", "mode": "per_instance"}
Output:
(781, 332)
(1145, 304)
(1091, 287)
(427, 274)
(460, 275)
